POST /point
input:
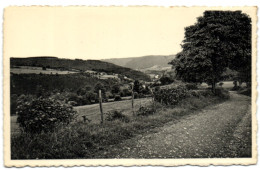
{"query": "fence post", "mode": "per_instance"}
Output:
(133, 99)
(153, 101)
(100, 105)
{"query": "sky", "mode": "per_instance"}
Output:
(97, 32)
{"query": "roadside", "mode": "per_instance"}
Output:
(222, 130)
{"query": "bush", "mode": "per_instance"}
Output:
(145, 111)
(166, 80)
(246, 91)
(221, 84)
(222, 93)
(43, 115)
(195, 93)
(117, 98)
(191, 86)
(172, 95)
(116, 115)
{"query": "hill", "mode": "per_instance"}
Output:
(142, 63)
(78, 64)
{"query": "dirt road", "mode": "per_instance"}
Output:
(222, 130)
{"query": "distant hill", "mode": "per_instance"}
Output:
(145, 62)
(78, 64)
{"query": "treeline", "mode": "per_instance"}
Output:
(78, 64)
(74, 89)
(33, 83)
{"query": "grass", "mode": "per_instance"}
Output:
(92, 112)
(37, 71)
(82, 140)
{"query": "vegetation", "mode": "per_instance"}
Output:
(116, 115)
(202, 61)
(171, 96)
(43, 115)
(166, 80)
(78, 64)
(83, 140)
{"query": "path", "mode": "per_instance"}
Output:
(222, 130)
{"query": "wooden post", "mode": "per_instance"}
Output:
(100, 105)
(133, 110)
(153, 101)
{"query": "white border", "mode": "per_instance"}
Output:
(5, 3)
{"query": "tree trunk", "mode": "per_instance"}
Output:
(213, 86)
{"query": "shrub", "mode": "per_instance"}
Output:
(172, 95)
(191, 86)
(13, 101)
(221, 84)
(222, 93)
(117, 98)
(246, 91)
(116, 115)
(43, 115)
(236, 88)
(145, 111)
(195, 93)
(205, 93)
(166, 80)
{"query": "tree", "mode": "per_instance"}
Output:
(137, 86)
(98, 87)
(115, 89)
(166, 80)
(219, 40)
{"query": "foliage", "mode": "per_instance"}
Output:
(166, 80)
(99, 86)
(127, 92)
(145, 111)
(221, 84)
(81, 140)
(13, 101)
(171, 96)
(201, 60)
(116, 115)
(137, 86)
(33, 83)
(222, 93)
(115, 88)
(246, 91)
(78, 64)
(117, 98)
(191, 86)
(43, 114)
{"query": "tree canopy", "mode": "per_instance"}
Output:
(217, 41)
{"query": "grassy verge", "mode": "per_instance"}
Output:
(81, 140)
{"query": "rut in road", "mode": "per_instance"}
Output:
(222, 130)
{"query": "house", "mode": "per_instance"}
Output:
(104, 77)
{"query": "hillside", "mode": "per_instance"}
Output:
(78, 64)
(145, 62)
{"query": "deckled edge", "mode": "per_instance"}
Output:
(130, 162)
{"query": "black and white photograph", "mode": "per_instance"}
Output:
(129, 83)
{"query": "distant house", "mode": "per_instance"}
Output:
(104, 77)
(90, 72)
(102, 73)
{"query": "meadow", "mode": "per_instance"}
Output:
(38, 71)
(92, 112)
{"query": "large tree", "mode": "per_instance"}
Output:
(218, 40)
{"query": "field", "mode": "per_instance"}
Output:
(92, 112)
(226, 85)
(38, 71)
